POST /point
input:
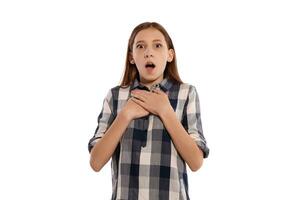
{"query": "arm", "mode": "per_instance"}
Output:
(184, 144)
(104, 148)
(110, 130)
(187, 136)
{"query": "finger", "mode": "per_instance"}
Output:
(139, 95)
(139, 102)
(142, 92)
(135, 100)
(138, 91)
(157, 91)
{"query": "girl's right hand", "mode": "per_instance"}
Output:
(133, 111)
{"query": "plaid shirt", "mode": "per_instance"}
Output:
(146, 164)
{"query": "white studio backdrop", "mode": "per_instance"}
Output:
(58, 59)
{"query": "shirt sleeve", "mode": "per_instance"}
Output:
(105, 119)
(192, 121)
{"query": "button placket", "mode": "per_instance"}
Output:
(154, 87)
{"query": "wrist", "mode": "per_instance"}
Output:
(166, 111)
(125, 117)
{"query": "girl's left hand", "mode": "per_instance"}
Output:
(156, 102)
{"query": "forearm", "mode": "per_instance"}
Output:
(105, 147)
(184, 144)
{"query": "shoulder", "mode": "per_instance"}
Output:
(181, 91)
(118, 92)
(187, 88)
(116, 96)
(186, 85)
(119, 88)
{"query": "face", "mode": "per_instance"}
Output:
(150, 54)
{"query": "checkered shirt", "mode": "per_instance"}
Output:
(146, 165)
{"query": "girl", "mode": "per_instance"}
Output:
(150, 124)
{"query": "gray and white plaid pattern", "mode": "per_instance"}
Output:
(146, 164)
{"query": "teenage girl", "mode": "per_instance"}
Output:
(149, 124)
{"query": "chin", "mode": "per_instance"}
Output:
(150, 78)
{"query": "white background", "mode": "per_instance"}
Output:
(58, 59)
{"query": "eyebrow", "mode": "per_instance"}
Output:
(143, 41)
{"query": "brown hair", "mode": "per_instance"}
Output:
(131, 71)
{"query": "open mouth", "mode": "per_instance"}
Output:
(150, 64)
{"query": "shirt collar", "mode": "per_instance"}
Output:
(165, 85)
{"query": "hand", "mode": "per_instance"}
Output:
(156, 102)
(132, 110)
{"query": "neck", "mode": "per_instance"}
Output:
(149, 84)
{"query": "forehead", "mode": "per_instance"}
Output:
(149, 35)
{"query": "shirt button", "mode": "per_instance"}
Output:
(154, 86)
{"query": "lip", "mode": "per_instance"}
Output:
(150, 70)
(150, 62)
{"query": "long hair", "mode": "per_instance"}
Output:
(131, 71)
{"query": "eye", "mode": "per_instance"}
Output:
(139, 46)
(158, 45)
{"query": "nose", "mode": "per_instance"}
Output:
(148, 53)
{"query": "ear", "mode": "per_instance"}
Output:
(130, 57)
(171, 54)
